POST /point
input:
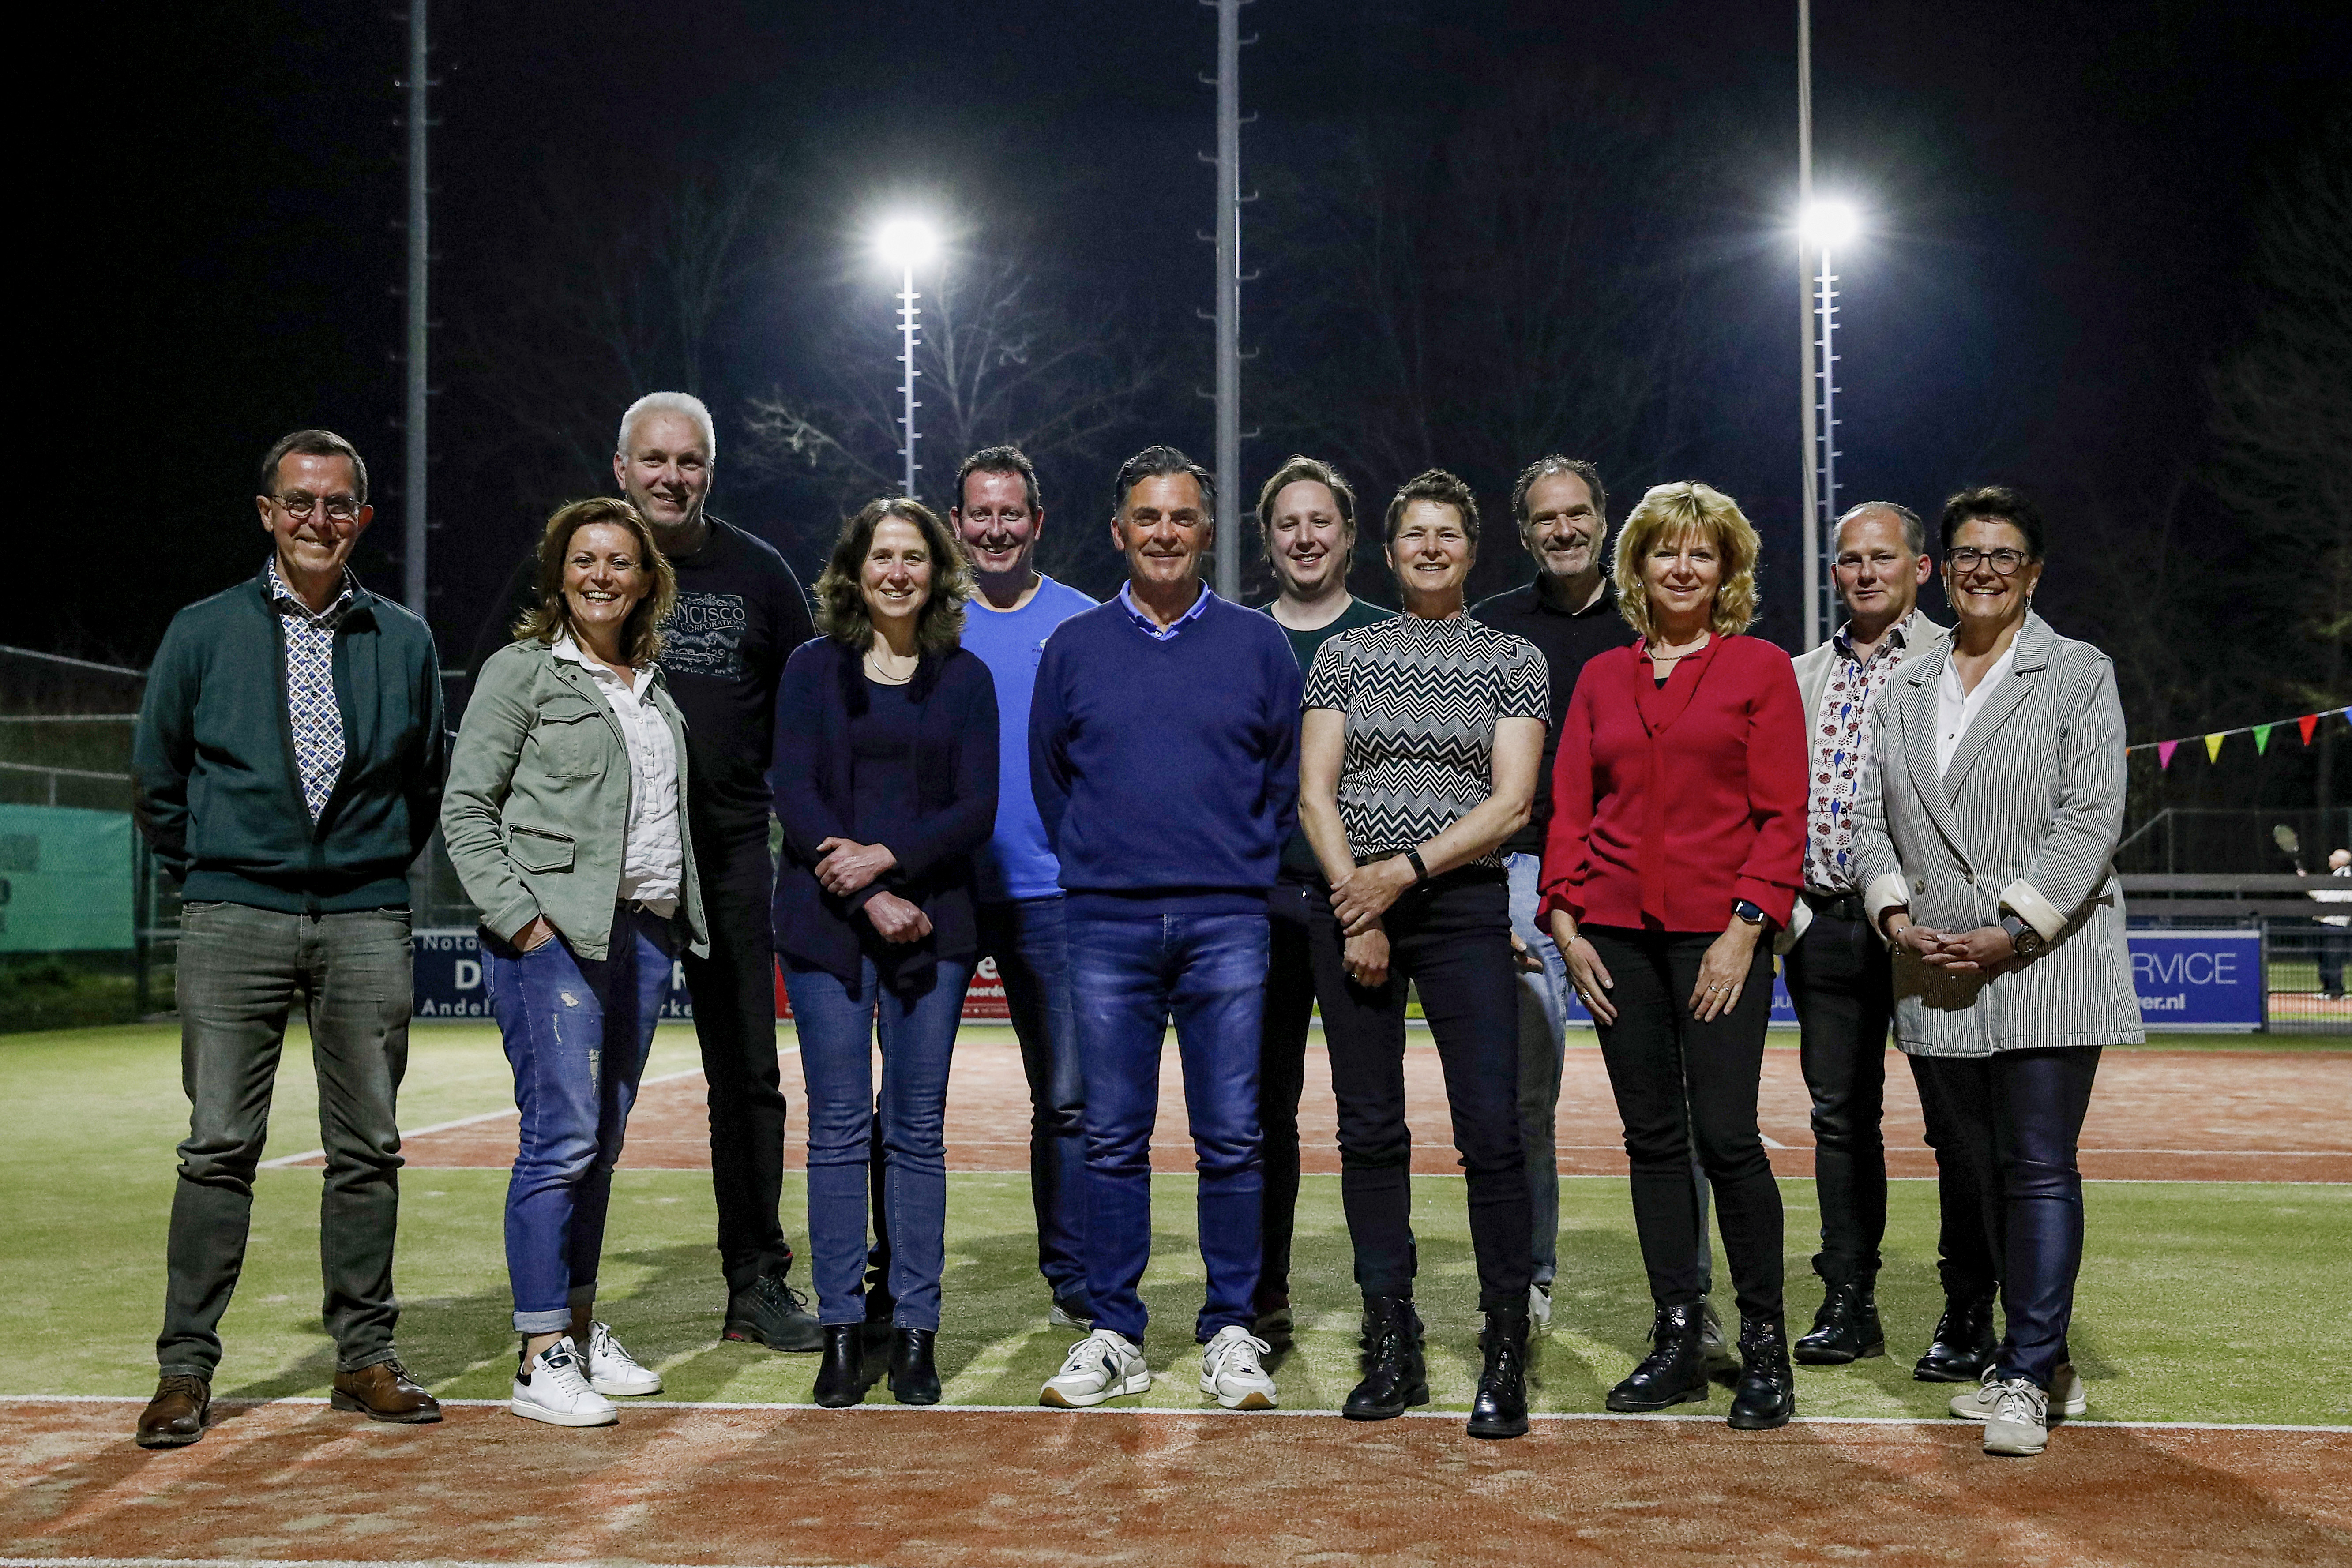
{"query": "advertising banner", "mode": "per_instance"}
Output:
(2210, 981)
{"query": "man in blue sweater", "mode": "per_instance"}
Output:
(1163, 740)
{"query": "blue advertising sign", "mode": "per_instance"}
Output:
(2198, 979)
(450, 979)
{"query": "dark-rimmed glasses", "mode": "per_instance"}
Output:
(2004, 561)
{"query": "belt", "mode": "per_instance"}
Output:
(1838, 905)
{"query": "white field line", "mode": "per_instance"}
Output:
(1041, 1410)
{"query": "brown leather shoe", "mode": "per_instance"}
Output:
(175, 1416)
(383, 1393)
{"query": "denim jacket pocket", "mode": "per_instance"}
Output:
(538, 849)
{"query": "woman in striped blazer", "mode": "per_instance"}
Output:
(1984, 839)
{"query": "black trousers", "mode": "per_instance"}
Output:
(734, 992)
(1677, 1079)
(1451, 940)
(1967, 1259)
(2015, 1118)
(1842, 982)
(1282, 1079)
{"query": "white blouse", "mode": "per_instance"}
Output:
(653, 854)
(1956, 709)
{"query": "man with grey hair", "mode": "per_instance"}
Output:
(740, 612)
(1839, 973)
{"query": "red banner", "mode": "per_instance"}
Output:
(982, 1003)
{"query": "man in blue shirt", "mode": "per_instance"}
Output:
(1163, 739)
(999, 518)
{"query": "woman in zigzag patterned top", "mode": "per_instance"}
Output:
(1418, 756)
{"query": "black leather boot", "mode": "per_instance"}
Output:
(1766, 1395)
(1674, 1372)
(1395, 1377)
(841, 1366)
(1500, 1408)
(1845, 1329)
(1963, 1344)
(913, 1379)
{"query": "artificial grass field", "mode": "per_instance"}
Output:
(2203, 1302)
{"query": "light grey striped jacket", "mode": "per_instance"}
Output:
(2026, 819)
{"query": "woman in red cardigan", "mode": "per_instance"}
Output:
(1678, 838)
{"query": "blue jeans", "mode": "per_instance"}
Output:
(1128, 975)
(1030, 940)
(837, 1026)
(1543, 1053)
(577, 1032)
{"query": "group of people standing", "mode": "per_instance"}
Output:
(1169, 809)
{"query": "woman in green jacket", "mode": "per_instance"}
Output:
(565, 818)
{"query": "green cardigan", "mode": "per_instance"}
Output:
(215, 787)
(538, 803)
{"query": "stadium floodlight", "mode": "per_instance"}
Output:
(906, 244)
(1830, 223)
(1823, 226)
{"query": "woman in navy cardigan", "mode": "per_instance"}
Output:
(885, 780)
(1676, 841)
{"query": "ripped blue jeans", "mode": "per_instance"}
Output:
(577, 1032)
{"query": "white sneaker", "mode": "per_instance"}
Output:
(1103, 1366)
(2067, 1396)
(553, 1388)
(1539, 1307)
(2020, 1423)
(1229, 1370)
(614, 1372)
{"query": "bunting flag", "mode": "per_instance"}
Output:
(2305, 726)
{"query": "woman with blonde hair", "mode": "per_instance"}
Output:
(885, 780)
(1677, 843)
(566, 823)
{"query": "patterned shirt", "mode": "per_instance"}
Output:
(1839, 745)
(1423, 698)
(311, 708)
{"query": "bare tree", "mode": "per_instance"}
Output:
(1008, 353)
(2284, 417)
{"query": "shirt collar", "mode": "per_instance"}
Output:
(1604, 601)
(1152, 628)
(281, 594)
(1899, 634)
(565, 648)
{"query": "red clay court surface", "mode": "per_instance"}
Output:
(944, 1489)
(2157, 1115)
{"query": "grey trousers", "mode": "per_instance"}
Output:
(240, 971)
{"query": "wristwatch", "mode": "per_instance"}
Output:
(1749, 912)
(2023, 936)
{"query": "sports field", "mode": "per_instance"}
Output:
(2220, 1253)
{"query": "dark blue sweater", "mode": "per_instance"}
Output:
(1167, 768)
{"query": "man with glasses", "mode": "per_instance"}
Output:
(1839, 972)
(740, 612)
(287, 768)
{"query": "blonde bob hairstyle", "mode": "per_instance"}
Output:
(1669, 513)
(550, 619)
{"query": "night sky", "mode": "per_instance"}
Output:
(2059, 197)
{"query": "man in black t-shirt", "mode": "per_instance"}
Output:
(740, 612)
(1570, 611)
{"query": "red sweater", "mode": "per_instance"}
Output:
(1667, 805)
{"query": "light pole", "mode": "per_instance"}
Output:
(905, 243)
(1825, 226)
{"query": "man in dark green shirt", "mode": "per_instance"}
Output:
(287, 768)
(1306, 515)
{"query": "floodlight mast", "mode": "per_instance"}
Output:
(1814, 585)
(1228, 239)
(1826, 226)
(903, 243)
(413, 471)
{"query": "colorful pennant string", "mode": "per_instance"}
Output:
(2306, 726)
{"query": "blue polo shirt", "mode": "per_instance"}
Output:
(1017, 861)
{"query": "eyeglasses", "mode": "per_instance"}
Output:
(340, 508)
(2004, 561)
